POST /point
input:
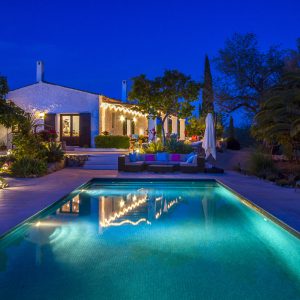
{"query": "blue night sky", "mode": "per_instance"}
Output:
(93, 45)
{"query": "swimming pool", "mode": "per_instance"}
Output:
(164, 239)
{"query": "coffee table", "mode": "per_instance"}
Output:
(160, 168)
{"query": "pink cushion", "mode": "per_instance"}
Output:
(149, 157)
(175, 157)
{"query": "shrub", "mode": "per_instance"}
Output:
(29, 145)
(112, 141)
(174, 146)
(233, 144)
(6, 160)
(262, 165)
(29, 167)
(142, 139)
(54, 152)
(284, 182)
(48, 135)
(3, 160)
(154, 147)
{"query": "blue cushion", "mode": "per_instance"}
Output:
(190, 159)
(162, 156)
(189, 156)
(132, 157)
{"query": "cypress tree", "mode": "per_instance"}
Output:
(231, 128)
(208, 93)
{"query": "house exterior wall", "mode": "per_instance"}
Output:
(116, 127)
(56, 99)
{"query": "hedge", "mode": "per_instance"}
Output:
(112, 141)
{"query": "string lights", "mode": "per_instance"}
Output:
(123, 109)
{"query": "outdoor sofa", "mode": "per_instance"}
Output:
(162, 162)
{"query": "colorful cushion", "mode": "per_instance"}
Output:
(189, 156)
(140, 157)
(175, 157)
(149, 157)
(132, 157)
(190, 159)
(162, 156)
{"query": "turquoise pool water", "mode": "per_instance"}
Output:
(150, 240)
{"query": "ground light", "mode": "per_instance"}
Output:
(3, 183)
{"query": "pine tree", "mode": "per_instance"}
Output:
(208, 94)
(231, 128)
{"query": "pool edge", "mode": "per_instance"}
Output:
(262, 211)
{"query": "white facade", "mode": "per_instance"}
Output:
(50, 98)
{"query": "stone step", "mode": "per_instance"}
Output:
(100, 163)
(100, 167)
(97, 158)
(103, 161)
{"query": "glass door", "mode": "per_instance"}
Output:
(69, 129)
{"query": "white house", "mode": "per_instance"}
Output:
(78, 116)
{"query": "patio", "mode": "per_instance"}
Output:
(26, 197)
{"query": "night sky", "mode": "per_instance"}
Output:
(93, 45)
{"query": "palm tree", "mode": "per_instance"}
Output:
(278, 121)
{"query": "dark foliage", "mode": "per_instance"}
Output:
(112, 141)
(233, 144)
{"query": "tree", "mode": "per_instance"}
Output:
(171, 94)
(207, 93)
(278, 122)
(292, 61)
(231, 128)
(196, 127)
(10, 114)
(246, 73)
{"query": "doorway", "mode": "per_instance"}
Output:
(70, 129)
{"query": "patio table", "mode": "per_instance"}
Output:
(160, 168)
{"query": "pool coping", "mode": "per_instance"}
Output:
(240, 197)
(262, 211)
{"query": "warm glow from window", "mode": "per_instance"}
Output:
(122, 118)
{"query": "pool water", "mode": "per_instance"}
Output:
(150, 240)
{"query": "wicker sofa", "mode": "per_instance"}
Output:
(177, 161)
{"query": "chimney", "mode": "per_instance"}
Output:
(124, 90)
(39, 71)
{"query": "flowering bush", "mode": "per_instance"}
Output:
(48, 135)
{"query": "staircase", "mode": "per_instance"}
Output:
(103, 161)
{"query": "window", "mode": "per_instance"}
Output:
(66, 126)
(70, 126)
(75, 127)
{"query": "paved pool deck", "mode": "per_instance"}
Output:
(26, 197)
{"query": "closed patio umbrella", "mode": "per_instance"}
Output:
(209, 141)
